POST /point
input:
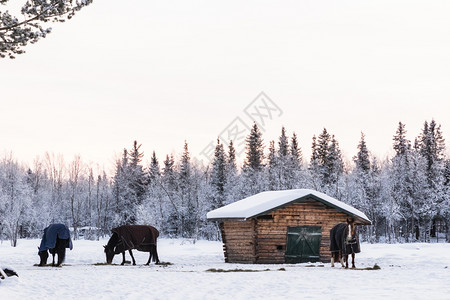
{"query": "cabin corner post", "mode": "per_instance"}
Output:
(224, 241)
(255, 241)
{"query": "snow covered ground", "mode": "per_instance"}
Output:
(408, 271)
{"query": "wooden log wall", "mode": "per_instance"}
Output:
(239, 241)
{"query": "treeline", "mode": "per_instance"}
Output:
(406, 196)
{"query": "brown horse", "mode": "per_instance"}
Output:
(344, 241)
(128, 237)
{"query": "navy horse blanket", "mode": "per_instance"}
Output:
(51, 233)
(139, 237)
(340, 242)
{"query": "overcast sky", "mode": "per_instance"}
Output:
(162, 72)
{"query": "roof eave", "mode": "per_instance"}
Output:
(227, 218)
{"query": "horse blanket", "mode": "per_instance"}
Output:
(339, 242)
(138, 237)
(52, 232)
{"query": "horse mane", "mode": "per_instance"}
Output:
(113, 240)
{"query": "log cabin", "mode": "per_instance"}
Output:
(289, 226)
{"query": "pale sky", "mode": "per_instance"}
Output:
(162, 72)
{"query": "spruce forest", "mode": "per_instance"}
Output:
(407, 196)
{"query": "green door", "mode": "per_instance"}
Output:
(303, 244)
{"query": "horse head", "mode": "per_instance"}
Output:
(44, 256)
(351, 231)
(109, 251)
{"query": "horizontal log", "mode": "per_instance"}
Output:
(229, 236)
(240, 246)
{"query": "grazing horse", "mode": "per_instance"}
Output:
(127, 237)
(56, 239)
(344, 241)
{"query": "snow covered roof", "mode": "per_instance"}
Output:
(265, 202)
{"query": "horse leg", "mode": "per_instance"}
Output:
(346, 261)
(132, 257)
(341, 259)
(155, 254)
(53, 262)
(149, 258)
(61, 256)
(123, 258)
(333, 255)
(150, 255)
(353, 260)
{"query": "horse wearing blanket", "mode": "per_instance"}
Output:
(343, 242)
(128, 237)
(56, 239)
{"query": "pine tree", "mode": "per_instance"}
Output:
(185, 166)
(137, 180)
(326, 164)
(123, 208)
(168, 170)
(188, 224)
(272, 168)
(285, 180)
(218, 176)
(154, 210)
(283, 144)
(314, 153)
(252, 177)
(129, 185)
(172, 218)
(297, 178)
(405, 186)
(314, 166)
(366, 192)
(154, 171)
(401, 144)
(254, 151)
(231, 159)
(295, 152)
(446, 202)
(15, 34)
(232, 180)
(335, 164)
(362, 159)
(431, 146)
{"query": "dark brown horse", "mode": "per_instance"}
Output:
(128, 237)
(343, 242)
